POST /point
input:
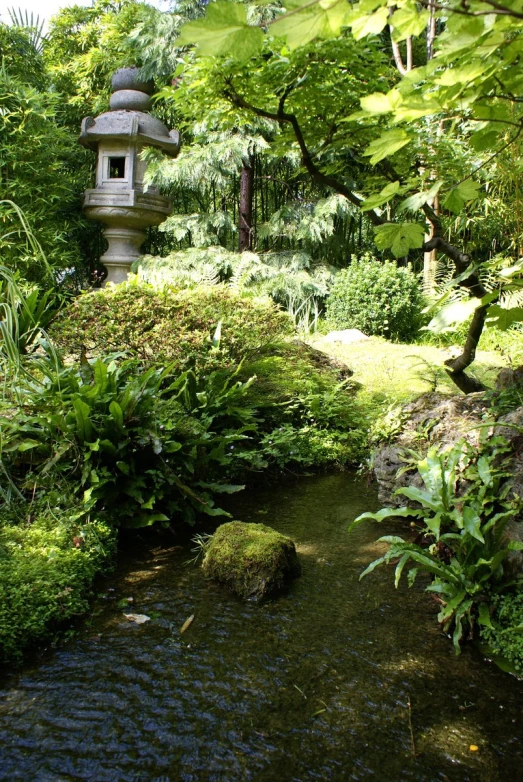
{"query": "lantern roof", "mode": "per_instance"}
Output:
(128, 118)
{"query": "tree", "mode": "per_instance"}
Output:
(470, 88)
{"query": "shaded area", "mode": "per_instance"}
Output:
(313, 686)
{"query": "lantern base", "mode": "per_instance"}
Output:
(122, 251)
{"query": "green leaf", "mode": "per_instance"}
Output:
(370, 24)
(387, 144)
(472, 523)
(484, 616)
(449, 608)
(322, 20)
(117, 414)
(408, 21)
(223, 32)
(388, 192)
(383, 514)
(425, 498)
(399, 568)
(379, 103)
(399, 237)
(416, 201)
(374, 565)
(484, 470)
(457, 198)
(84, 427)
(503, 318)
(453, 314)
(27, 445)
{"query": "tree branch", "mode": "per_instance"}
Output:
(283, 117)
(500, 9)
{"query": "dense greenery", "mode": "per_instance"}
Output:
(505, 637)
(168, 324)
(50, 552)
(460, 516)
(314, 133)
(379, 298)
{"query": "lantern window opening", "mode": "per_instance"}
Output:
(117, 168)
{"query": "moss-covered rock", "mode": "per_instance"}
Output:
(251, 559)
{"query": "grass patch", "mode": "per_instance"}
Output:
(397, 373)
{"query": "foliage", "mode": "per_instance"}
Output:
(380, 299)
(84, 46)
(20, 55)
(443, 136)
(290, 279)
(505, 635)
(50, 552)
(460, 515)
(138, 444)
(46, 187)
(169, 325)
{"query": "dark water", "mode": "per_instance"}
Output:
(313, 686)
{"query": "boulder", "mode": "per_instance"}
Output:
(432, 418)
(253, 560)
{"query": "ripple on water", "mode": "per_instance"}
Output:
(316, 685)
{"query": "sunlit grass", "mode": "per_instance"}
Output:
(398, 373)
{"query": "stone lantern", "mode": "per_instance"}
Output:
(120, 199)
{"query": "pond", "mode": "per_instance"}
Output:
(339, 679)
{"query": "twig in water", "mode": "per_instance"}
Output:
(412, 744)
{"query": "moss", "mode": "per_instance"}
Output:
(47, 565)
(251, 559)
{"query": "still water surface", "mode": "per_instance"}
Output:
(336, 680)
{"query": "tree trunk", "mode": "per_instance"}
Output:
(430, 257)
(246, 199)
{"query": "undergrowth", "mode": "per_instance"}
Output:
(49, 557)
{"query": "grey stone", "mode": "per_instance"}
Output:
(346, 336)
(121, 200)
(130, 100)
(129, 79)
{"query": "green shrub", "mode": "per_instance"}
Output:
(169, 325)
(49, 557)
(505, 636)
(379, 298)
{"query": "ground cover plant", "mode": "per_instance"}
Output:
(50, 553)
(167, 324)
(504, 637)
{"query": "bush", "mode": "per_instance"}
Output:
(170, 325)
(379, 298)
(48, 559)
(505, 637)
(140, 445)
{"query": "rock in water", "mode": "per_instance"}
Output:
(251, 559)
